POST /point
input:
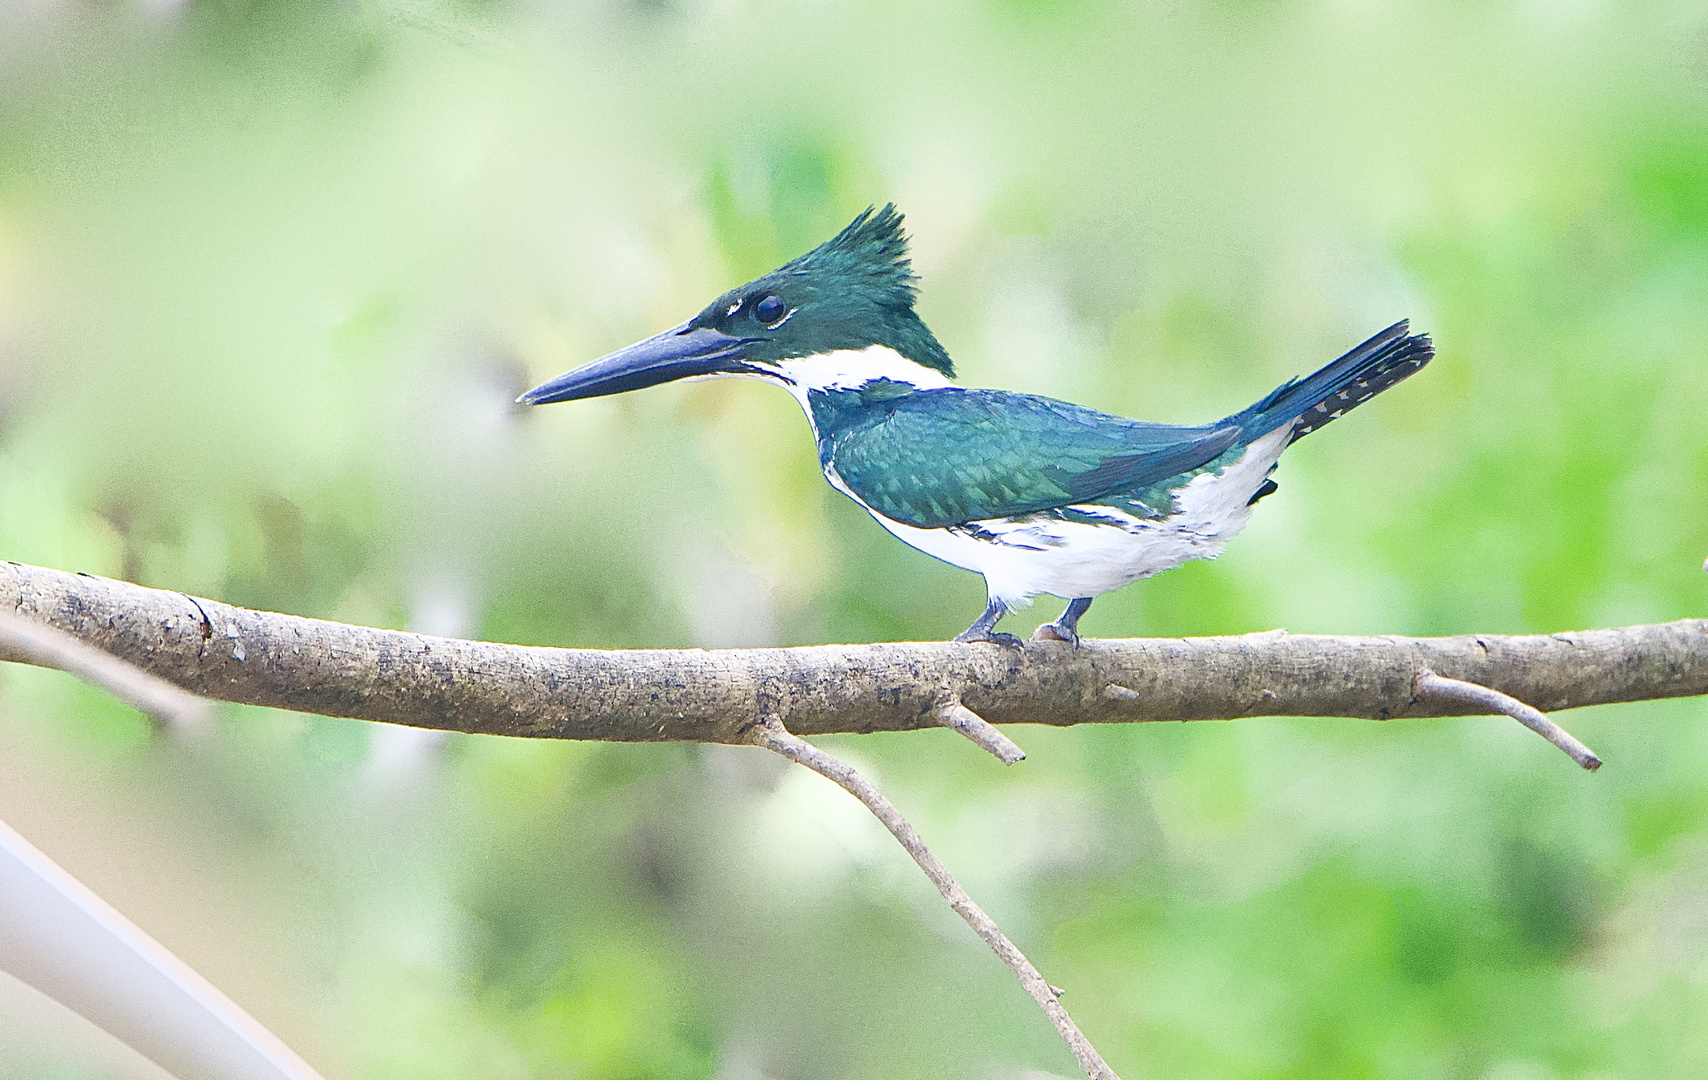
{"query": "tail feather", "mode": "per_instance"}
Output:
(1348, 382)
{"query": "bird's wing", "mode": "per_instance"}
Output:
(942, 457)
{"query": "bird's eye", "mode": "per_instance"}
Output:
(770, 310)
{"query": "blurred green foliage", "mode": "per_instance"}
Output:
(271, 273)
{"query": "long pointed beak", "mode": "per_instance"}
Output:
(679, 353)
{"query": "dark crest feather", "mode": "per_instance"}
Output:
(873, 247)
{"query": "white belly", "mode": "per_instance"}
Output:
(1038, 554)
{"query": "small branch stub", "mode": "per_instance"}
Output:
(1429, 684)
(952, 714)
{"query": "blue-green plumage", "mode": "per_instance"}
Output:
(935, 458)
(940, 457)
(1037, 495)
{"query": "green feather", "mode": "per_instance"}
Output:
(935, 458)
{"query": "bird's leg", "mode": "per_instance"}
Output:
(1065, 628)
(981, 630)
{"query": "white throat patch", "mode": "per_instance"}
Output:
(849, 369)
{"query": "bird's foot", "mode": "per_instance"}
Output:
(995, 637)
(984, 627)
(1056, 632)
(1065, 628)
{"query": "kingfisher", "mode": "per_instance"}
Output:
(1035, 494)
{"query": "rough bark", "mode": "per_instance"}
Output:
(310, 665)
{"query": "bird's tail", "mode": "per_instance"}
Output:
(1355, 378)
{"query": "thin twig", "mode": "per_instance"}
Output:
(1428, 684)
(771, 734)
(48, 647)
(952, 714)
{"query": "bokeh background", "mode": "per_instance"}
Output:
(271, 274)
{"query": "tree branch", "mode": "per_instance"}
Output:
(44, 646)
(1429, 684)
(774, 737)
(746, 695)
(651, 695)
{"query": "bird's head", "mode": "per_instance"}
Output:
(839, 316)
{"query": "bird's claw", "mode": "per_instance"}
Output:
(1056, 632)
(995, 637)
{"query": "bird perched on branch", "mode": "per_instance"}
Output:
(1038, 495)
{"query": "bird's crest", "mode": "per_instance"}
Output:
(871, 252)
